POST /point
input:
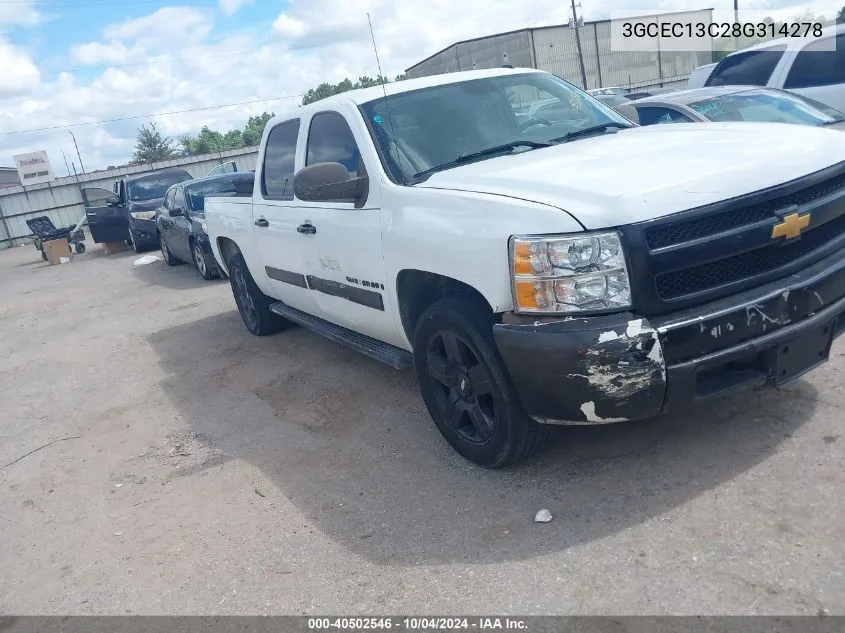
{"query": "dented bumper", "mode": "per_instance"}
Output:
(622, 367)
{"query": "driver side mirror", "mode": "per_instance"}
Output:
(330, 182)
(114, 201)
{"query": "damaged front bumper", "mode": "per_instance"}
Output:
(590, 370)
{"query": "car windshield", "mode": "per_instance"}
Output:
(766, 106)
(196, 193)
(155, 185)
(431, 128)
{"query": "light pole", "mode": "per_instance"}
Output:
(736, 21)
(78, 155)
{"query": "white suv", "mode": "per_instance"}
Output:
(813, 68)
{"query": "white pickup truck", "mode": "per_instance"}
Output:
(536, 257)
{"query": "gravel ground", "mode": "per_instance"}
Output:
(195, 469)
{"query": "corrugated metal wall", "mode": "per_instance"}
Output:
(61, 200)
(555, 50)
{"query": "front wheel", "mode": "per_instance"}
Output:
(203, 268)
(169, 258)
(466, 388)
(253, 305)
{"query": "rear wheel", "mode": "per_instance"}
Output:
(466, 388)
(253, 304)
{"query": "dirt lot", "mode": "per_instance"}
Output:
(197, 469)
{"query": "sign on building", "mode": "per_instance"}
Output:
(34, 168)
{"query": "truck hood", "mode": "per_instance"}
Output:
(651, 171)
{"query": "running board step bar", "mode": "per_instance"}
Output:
(387, 354)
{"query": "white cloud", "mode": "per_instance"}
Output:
(21, 13)
(230, 7)
(165, 26)
(101, 53)
(172, 60)
(18, 74)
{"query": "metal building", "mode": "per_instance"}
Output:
(555, 49)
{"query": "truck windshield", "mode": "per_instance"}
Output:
(422, 130)
(155, 185)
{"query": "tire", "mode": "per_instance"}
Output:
(207, 271)
(169, 258)
(133, 243)
(79, 248)
(466, 387)
(43, 255)
(253, 305)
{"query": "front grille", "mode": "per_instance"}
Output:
(678, 232)
(762, 260)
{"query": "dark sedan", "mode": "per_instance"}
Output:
(736, 103)
(180, 221)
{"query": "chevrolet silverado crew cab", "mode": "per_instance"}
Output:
(536, 257)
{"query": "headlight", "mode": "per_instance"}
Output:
(143, 215)
(575, 273)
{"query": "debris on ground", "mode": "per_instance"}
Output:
(543, 516)
(146, 259)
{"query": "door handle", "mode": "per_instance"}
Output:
(262, 223)
(307, 229)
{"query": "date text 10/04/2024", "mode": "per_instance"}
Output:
(418, 624)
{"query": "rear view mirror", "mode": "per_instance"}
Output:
(330, 182)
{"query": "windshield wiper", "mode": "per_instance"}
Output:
(588, 131)
(490, 151)
(834, 122)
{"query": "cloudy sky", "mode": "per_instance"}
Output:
(76, 61)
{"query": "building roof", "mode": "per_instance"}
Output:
(537, 28)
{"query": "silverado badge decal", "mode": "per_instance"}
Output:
(791, 226)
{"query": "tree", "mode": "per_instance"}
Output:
(255, 129)
(327, 90)
(840, 17)
(152, 145)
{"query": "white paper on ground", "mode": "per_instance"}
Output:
(146, 259)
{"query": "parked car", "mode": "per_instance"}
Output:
(576, 271)
(180, 220)
(736, 103)
(699, 76)
(616, 91)
(128, 212)
(811, 67)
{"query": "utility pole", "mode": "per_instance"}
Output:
(67, 166)
(575, 24)
(736, 21)
(78, 155)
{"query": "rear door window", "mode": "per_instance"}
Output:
(279, 161)
(817, 65)
(751, 68)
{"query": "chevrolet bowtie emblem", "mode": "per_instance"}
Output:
(791, 226)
